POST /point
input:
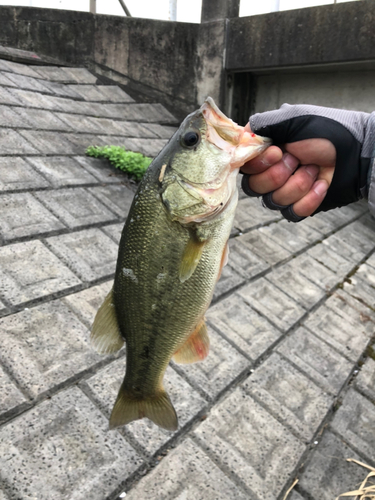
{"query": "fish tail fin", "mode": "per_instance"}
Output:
(157, 408)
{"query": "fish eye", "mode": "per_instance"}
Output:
(190, 139)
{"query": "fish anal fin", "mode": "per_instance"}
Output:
(105, 333)
(191, 257)
(196, 347)
(158, 408)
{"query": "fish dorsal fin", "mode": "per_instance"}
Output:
(191, 257)
(195, 348)
(157, 407)
(105, 332)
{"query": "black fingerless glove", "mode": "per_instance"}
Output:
(351, 132)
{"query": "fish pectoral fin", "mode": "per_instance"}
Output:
(105, 333)
(196, 347)
(191, 257)
(157, 408)
(224, 260)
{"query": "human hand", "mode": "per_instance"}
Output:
(316, 161)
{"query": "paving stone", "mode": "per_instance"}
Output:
(80, 142)
(294, 495)
(290, 396)
(12, 143)
(81, 123)
(361, 290)
(27, 82)
(62, 449)
(330, 259)
(162, 131)
(228, 280)
(360, 234)
(328, 474)
(293, 238)
(186, 474)
(251, 213)
(35, 99)
(266, 248)
(243, 260)
(75, 207)
(6, 81)
(60, 90)
(113, 93)
(73, 106)
(44, 346)
(354, 421)
(114, 231)
(101, 169)
(371, 260)
(325, 366)
(295, 285)
(7, 97)
(272, 303)
(20, 69)
(325, 222)
(62, 171)
(85, 304)
(148, 147)
(143, 113)
(53, 74)
(347, 336)
(40, 119)
(89, 92)
(16, 174)
(105, 385)
(90, 253)
(366, 273)
(348, 307)
(251, 444)
(80, 75)
(29, 271)
(341, 247)
(365, 381)
(116, 198)
(315, 271)
(49, 142)
(9, 118)
(243, 327)
(223, 364)
(11, 396)
(22, 215)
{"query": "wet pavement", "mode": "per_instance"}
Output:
(288, 389)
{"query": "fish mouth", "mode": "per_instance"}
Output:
(228, 136)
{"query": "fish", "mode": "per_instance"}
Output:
(173, 248)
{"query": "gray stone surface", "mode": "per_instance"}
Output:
(34, 100)
(40, 119)
(22, 215)
(62, 171)
(315, 271)
(365, 381)
(229, 279)
(103, 389)
(361, 290)
(272, 303)
(75, 207)
(116, 198)
(251, 213)
(16, 174)
(44, 346)
(221, 367)
(27, 82)
(354, 422)
(325, 366)
(245, 262)
(62, 449)
(54, 74)
(30, 271)
(266, 248)
(90, 253)
(50, 142)
(293, 241)
(329, 474)
(187, 473)
(113, 93)
(114, 231)
(330, 259)
(11, 396)
(13, 143)
(7, 97)
(290, 396)
(347, 336)
(251, 444)
(101, 169)
(243, 326)
(296, 285)
(10, 118)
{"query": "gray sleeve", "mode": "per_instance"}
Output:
(368, 151)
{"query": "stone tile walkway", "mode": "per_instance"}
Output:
(288, 389)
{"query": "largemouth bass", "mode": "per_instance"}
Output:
(172, 250)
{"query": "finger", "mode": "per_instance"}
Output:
(313, 151)
(274, 177)
(297, 186)
(312, 200)
(262, 162)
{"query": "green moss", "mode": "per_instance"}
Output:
(134, 164)
(370, 352)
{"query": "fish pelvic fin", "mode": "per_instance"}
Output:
(158, 408)
(196, 347)
(191, 257)
(105, 333)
